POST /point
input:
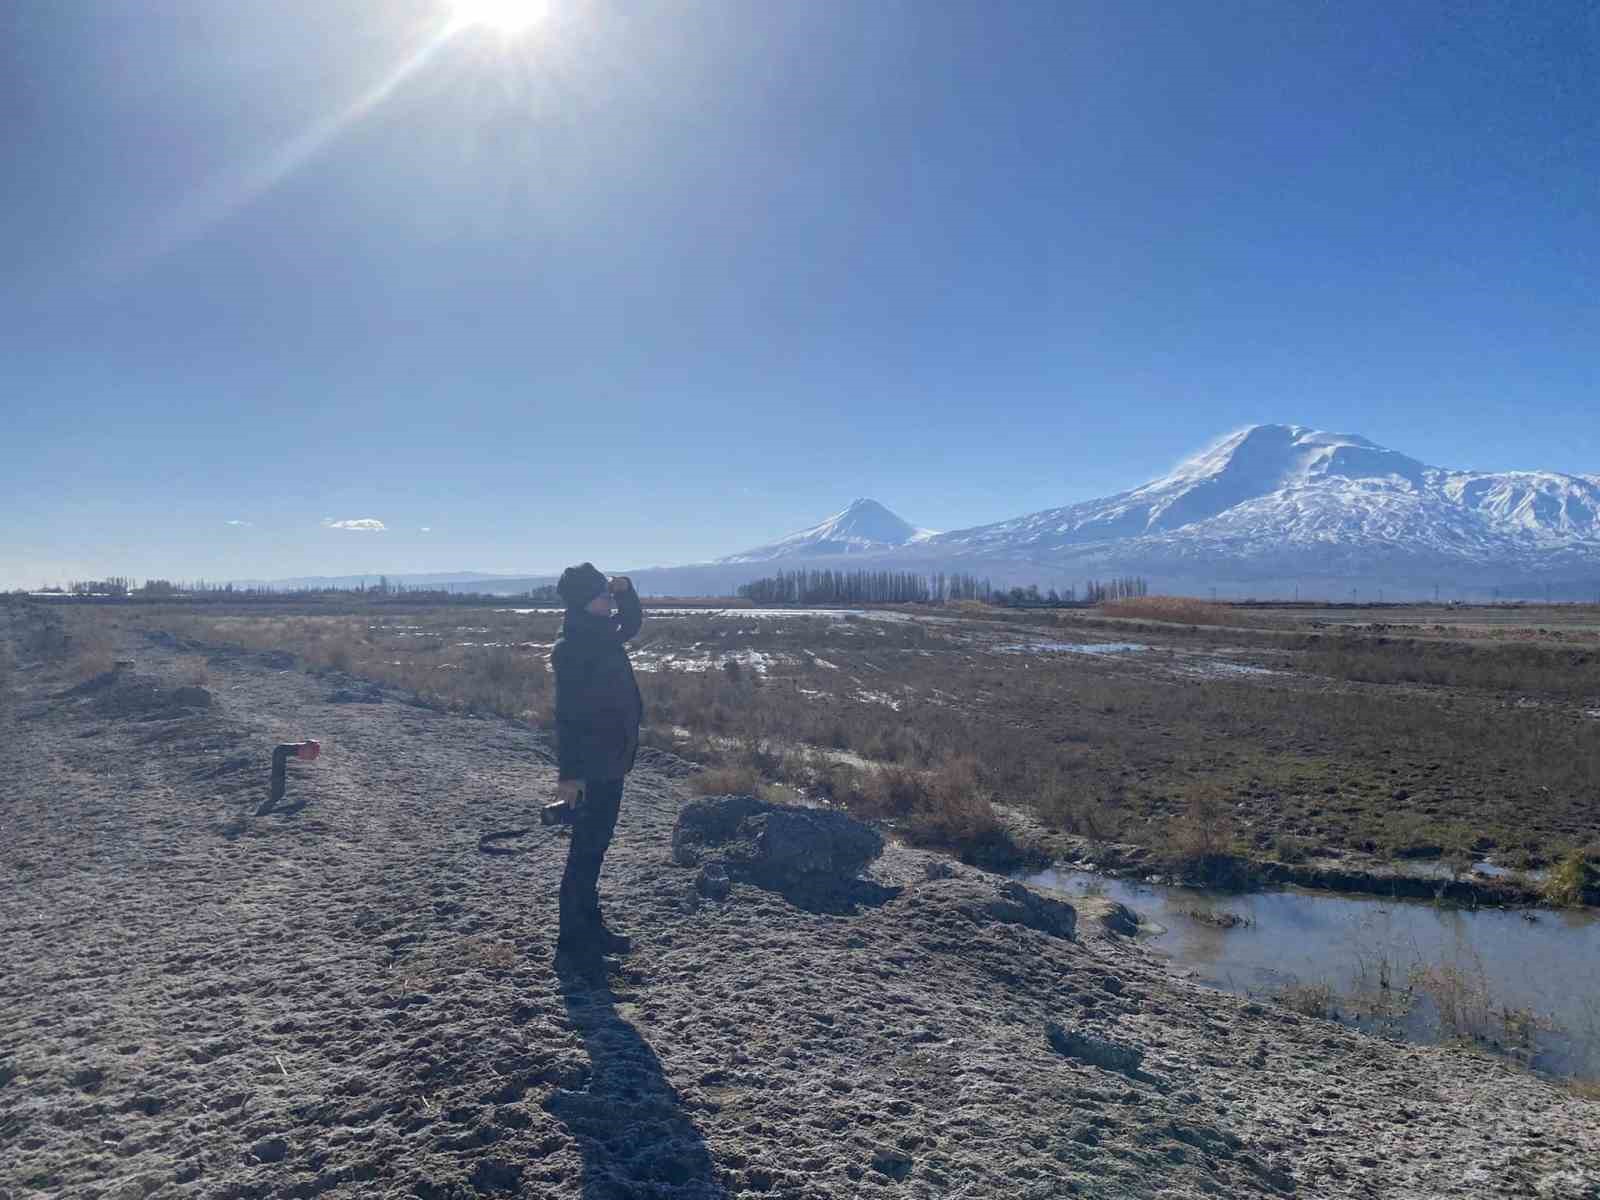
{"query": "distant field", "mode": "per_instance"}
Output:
(1272, 733)
(1528, 620)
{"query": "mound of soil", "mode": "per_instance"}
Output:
(349, 999)
(125, 694)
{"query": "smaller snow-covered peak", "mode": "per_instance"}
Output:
(862, 527)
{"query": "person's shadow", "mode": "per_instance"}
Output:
(629, 1122)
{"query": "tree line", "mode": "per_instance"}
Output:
(908, 587)
(846, 587)
(200, 590)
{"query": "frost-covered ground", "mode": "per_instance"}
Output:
(348, 997)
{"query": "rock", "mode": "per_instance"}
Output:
(270, 1150)
(985, 901)
(891, 1161)
(1097, 1052)
(805, 841)
(774, 844)
(125, 694)
(1017, 904)
(705, 825)
(713, 882)
(1119, 919)
(940, 868)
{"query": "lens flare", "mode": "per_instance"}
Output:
(507, 16)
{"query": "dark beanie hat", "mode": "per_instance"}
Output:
(580, 584)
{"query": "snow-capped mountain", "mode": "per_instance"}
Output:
(865, 527)
(1287, 498)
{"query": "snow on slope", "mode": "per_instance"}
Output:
(864, 527)
(1273, 492)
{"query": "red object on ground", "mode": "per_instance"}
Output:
(309, 750)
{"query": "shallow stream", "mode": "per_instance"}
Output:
(1529, 988)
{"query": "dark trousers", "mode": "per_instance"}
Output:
(592, 826)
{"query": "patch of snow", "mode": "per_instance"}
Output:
(1074, 648)
(872, 697)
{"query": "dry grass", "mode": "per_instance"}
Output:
(1308, 999)
(1568, 881)
(726, 781)
(1572, 674)
(1585, 1089)
(1181, 610)
(1466, 1010)
(1202, 843)
(91, 652)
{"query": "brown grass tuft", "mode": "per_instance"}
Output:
(1308, 999)
(1567, 881)
(726, 781)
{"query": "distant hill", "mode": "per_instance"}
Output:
(438, 579)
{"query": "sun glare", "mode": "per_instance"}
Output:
(507, 16)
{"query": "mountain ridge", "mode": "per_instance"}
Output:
(1260, 510)
(1269, 491)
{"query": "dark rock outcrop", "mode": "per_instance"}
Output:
(127, 695)
(1016, 904)
(987, 901)
(811, 855)
(779, 842)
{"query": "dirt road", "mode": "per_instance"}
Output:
(347, 997)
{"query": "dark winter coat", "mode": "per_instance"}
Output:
(598, 706)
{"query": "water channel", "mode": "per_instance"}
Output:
(1525, 982)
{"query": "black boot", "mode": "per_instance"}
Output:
(611, 943)
(578, 942)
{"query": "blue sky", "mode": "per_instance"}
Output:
(651, 282)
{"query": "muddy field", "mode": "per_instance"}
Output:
(348, 997)
(1357, 745)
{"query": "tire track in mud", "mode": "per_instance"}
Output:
(347, 998)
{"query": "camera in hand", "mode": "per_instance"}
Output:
(559, 813)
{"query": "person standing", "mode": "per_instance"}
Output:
(598, 709)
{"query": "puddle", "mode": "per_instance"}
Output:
(1073, 648)
(1549, 966)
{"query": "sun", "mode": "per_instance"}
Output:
(507, 16)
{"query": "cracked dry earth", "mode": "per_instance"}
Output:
(348, 997)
